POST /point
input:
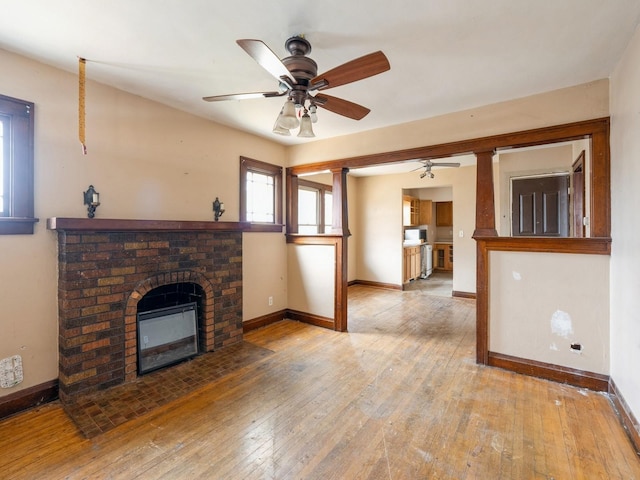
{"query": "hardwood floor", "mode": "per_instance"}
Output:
(398, 397)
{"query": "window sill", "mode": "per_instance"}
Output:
(17, 225)
(264, 227)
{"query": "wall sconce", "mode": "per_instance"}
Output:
(92, 199)
(218, 209)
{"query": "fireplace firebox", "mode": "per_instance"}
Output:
(167, 336)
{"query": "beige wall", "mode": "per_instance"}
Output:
(264, 274)
(541, 303)
(148, 162)
(625, 227)
(311, 279)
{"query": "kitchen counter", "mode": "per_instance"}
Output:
(412, 243)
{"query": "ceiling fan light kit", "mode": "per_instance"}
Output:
(305, 126)
(288, 118)
(280, 130)
(298, 79)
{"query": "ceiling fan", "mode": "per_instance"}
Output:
(298, 79)
(428, 165)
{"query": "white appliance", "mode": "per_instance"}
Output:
(426, 261)
(415, 236)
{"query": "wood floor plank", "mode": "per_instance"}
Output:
(399, 396)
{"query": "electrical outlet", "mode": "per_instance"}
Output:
(11, 371)
(270, 301)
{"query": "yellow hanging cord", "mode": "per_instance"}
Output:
(81, 105)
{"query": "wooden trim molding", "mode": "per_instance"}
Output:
(548, 371)
(591, 246)
(263, 321)
(387, 286)
(126, 225)
(28, 398)
(458, 294)
(628, 420)
(524, 138)
(250, 165)
(17, 226)
(311, 319)
(264, 228)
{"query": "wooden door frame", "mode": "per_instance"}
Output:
(485, 234)
(579, 163)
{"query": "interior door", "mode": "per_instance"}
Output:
(540, 206)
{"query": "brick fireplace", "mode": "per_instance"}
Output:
(105, 267)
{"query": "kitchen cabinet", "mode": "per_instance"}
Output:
(411, 263)
(443, 256)
(444, 214)
(426, 209)
(410, 211)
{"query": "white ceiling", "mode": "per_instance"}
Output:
(445, 55)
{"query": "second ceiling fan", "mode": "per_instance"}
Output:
(428, 165)
(298, 79)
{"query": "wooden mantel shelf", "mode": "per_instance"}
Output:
(125, 225)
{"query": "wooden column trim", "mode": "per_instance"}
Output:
(600, 215)
(485, 206)
(340, 226)
(340, 217)
(482, 303)
(341, 285)
(292, 202)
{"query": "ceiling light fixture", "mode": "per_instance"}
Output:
(305, 126)
(288, 119)
(298, 76)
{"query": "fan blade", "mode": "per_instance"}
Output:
(341, 107)
(357, 69)
(268, 60)
(243, 96)
(445, 164)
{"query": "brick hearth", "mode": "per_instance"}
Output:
(106, 266)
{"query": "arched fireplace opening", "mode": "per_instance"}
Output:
(169, 326)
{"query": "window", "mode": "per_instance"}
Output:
(315, 207)
(16, 166)
(261, 194)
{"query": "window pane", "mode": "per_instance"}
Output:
(307, 207)
(308, 229)
(260, 198)
(328, 211)
(16, 166)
